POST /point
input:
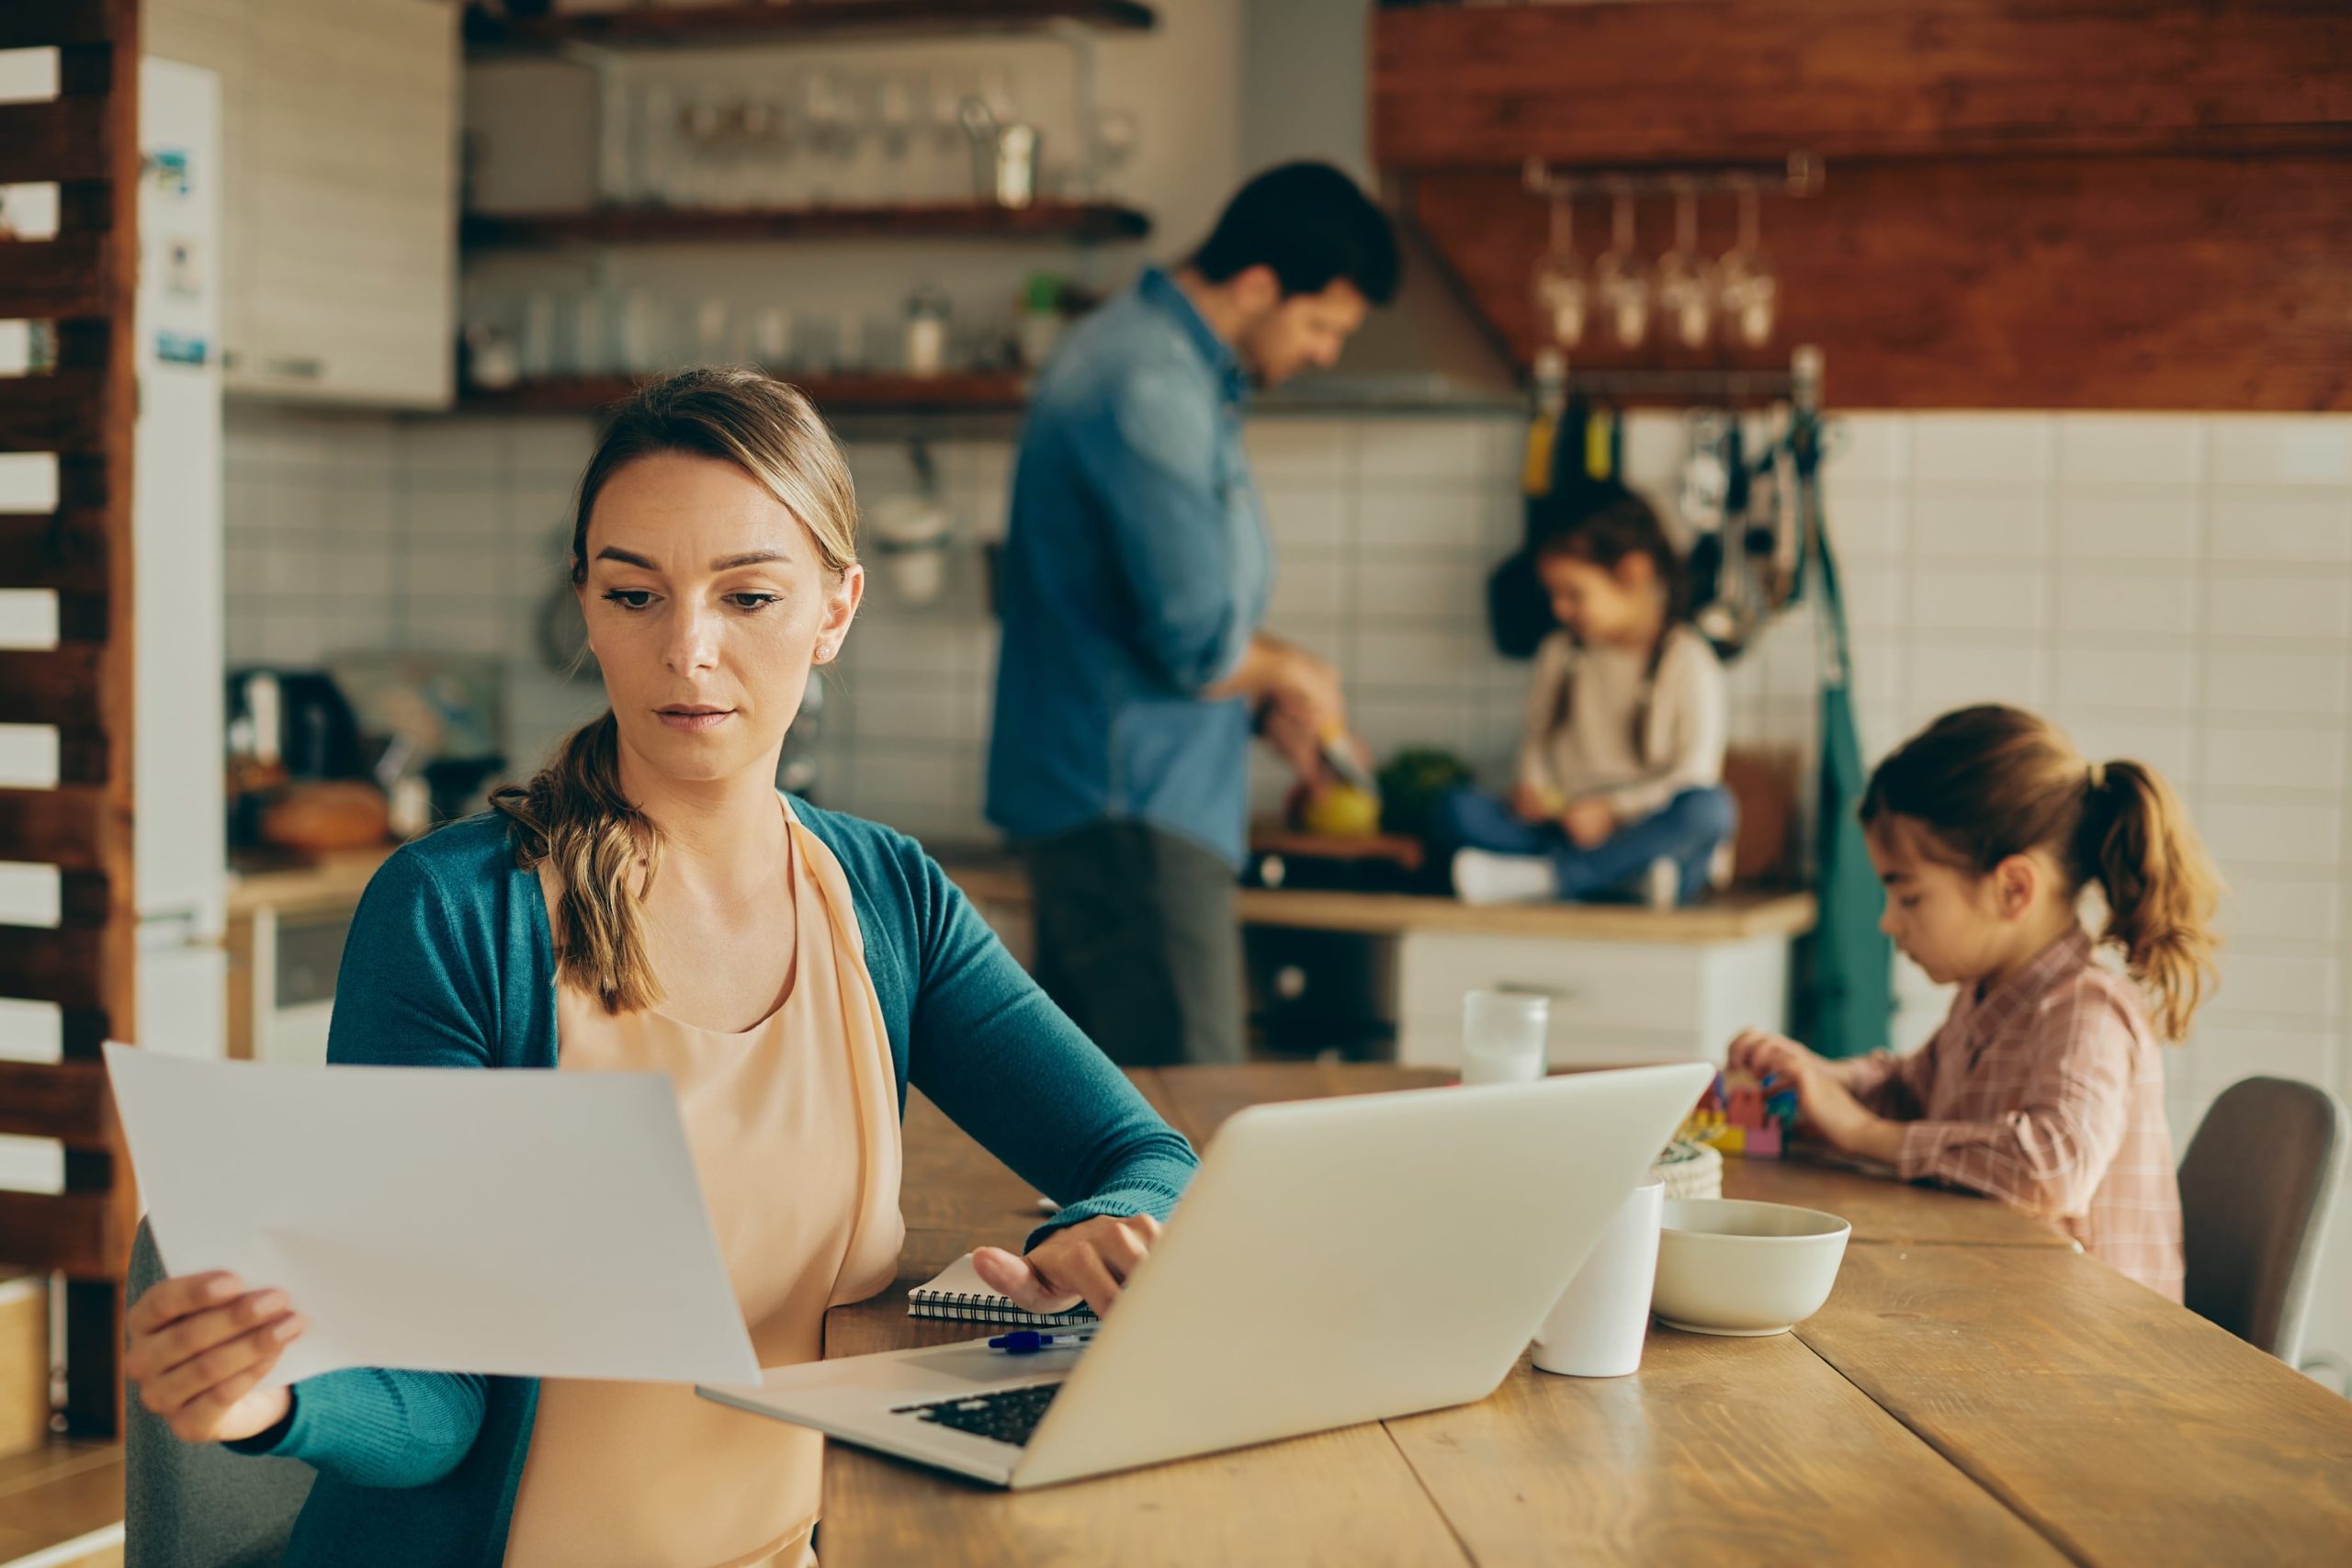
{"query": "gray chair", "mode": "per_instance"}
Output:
(197, 1505)
(2255, 1189)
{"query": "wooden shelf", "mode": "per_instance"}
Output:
(663, 225)
(789, 20)
(960, 392)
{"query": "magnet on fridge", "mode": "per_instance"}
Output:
(182, 277)
(167, 167)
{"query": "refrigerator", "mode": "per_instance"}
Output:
(179, 843)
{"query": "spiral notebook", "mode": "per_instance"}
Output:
(960, 1295)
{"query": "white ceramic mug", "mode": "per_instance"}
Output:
(1596, 1328)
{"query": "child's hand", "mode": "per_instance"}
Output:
(1825, 1107)
(1532, 806)
(1761, 1055)
(1589, 823)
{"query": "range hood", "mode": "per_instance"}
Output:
(1425, 350)
(1303, 71)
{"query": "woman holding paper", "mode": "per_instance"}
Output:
(650, 903)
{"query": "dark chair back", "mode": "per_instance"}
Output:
(197, 1505)
(2255, 1187)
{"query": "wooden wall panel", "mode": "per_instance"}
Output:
(86, 142)
(78, 1235)
(2174, 283)
(2093, 204)
(1714, 81)
(65, 1101)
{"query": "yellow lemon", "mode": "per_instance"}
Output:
(1342, 811)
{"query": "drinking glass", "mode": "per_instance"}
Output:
(1562, 292)
(1685, 290)
(1502, 1036)
(1618, 280)
(1746, 289)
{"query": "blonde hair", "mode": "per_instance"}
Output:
(572, 813)
(1988, 782)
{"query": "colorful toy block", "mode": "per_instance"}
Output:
(1740, 1115)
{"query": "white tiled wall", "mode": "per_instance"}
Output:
(2172, 588)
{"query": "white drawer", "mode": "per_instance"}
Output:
(1610, 1002)
(1592, 985)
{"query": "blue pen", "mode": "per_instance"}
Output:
(1028, 1342)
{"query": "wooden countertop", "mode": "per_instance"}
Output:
(1975, 1391)
(335, 881)
(339, 878)
(1730, 917)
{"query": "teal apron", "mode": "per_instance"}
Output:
(1845, 991)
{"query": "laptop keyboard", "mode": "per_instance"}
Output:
(1009, 1415)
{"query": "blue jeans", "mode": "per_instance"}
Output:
(1686, 830)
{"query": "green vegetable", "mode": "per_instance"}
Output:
(1410, 784)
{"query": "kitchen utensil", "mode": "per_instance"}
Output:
(1005, 156)
(1346, 766)
(912, 534)
(1381, 863)
(1744, 1268)
(316, 815)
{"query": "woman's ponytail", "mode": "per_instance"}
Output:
(573, 816)
(2160, 885)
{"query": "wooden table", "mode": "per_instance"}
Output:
(1975, 1391)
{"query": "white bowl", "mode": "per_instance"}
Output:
(1727, 1266)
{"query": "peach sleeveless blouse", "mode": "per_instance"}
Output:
(794, 1128)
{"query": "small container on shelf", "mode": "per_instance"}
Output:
(1041, 319)
(927, 313)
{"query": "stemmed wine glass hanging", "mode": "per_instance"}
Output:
(1694, 298)
(1562, 292)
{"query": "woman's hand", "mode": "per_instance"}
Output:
(1589, 822)
(1089, 1261)
(1825, 1107)
(198, 1343)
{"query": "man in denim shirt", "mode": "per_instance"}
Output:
(1136, 571)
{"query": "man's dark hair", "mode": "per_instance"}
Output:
(1311, 224)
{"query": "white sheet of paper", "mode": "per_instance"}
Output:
(520, 1224)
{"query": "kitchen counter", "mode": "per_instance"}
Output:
(990, 877)
(1000, 879)
(267, 881)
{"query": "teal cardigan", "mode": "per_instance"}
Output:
(449, 965)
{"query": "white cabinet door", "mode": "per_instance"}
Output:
(1611, 1003)
(340, 126)
(184, 1000)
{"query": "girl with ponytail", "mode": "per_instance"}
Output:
(2044, 1088)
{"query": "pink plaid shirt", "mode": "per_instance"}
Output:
(2047, 1092)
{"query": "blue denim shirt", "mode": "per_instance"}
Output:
(1136, 567)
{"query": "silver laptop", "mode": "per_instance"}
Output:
(1335, 1261)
